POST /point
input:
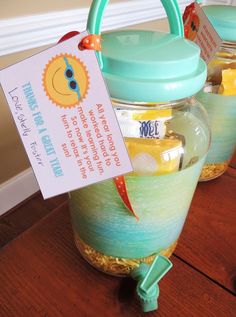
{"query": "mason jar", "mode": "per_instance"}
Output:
(219, 93)
(152, 78)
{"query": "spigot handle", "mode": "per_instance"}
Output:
(159, 267)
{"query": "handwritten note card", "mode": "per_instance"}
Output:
(64, 116)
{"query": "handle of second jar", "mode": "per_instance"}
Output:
(98, 7)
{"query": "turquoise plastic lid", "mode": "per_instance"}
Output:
(149, 66)
(223, 18)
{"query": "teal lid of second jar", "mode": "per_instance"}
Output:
(223, 18)
(149, 66)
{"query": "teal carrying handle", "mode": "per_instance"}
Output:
(98, 7)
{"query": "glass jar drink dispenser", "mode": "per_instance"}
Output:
(219, 94)
(152, 78)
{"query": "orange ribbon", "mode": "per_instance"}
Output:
(91, 42)
(188, 16)
(67, 36)
(122, 190)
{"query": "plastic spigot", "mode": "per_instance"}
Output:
(148, 276)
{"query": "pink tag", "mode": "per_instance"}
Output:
(199, 29)
(65, 118)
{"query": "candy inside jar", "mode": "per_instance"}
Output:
(152, 146)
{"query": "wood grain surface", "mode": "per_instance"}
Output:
(42, 274)
(25, 215)
(233, 161)
(208, 241)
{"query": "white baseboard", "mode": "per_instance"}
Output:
(27, 32)
(17, 189)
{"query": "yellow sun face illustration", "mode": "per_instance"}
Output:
(65, 80)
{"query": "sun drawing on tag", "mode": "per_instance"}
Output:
(65, 80)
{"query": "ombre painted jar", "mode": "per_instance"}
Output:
(219, 94)
(152, 78)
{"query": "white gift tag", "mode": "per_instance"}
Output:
(199, 29)
(65, 118)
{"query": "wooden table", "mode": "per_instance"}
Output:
(42, 273)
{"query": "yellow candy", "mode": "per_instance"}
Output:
(215, 68)
(152, 114)
(154, 156)
(228, 84)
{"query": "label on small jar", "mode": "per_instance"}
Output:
(198, 29)
(148, 124)
(65, 118)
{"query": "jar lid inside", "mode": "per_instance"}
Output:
(223, 18)
(148, 66)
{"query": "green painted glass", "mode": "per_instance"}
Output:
(219, 94)
(151, 77)
(101, 220)
(160, 194)
(222, 117)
